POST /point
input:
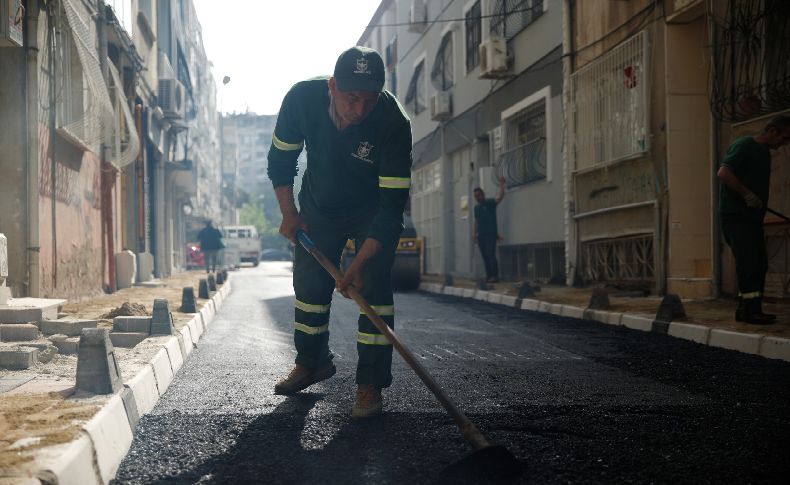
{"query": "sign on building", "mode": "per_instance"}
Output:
(13, 13)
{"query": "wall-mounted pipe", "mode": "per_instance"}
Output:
(31, 147)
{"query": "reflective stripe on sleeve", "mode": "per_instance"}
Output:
(382, 310)
(309, 308)
(286, 147)
(750, 295)
(311, 330)
(372, 339)
(394, 182)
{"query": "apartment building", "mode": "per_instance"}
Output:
(482, 83)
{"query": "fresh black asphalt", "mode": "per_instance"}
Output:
(574, 401)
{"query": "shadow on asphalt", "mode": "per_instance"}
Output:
(274, 448)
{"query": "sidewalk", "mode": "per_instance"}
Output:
(46, 429)
(709, 322)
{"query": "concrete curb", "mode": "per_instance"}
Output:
(94, 457)
(750, 343)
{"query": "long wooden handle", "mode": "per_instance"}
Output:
(777, 213)
(468, 429)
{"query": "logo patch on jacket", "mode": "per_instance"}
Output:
(363, 151)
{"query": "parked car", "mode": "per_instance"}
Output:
(244, 241)
(195, 258)
(407, 268)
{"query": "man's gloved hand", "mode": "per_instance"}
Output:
(752, 201)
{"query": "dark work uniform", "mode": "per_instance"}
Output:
(356, 186)
(210, 243)
(743, 226)
(485, 215)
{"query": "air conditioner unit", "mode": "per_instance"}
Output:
(418, 16)
(493, 58)
(441, 106)
(171, 97)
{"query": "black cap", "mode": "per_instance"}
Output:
(359, 69)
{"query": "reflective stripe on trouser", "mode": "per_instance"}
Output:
(375, 353)
(314, 287)
(373, 348)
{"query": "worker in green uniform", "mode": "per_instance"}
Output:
(745, 175)
(486, 233)
(356, 185)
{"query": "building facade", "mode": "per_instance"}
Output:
(482, 83)
(656, 91)
(97, 148)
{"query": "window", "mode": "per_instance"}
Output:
(474, 30)
(391, 61)
(524, 158)
(415, 95)
(69, 107)
(512, 16)
(442, 72)
(84, 112)
(609, 105)
(426, 213)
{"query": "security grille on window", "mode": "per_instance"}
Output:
(524, 158)
(609, 105)
(474, 28)
(442, 72)
(87, 115)
(415, 95)
(751, 68)
(512, 16)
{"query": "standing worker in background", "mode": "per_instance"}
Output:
(210, 243)
(486, 232)
(356, 186)
(745, 174)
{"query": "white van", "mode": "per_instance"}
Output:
(244, 241)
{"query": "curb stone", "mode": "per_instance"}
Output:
(529, 304)
(637, 323)
(144, 390)
(94, 457)
(742, 342)
(495, 298)
(111, 437)
(509, 300)
(755, 344)
(775, 348)
(689, 331)
(70, 463)
(573, 312)
(163, 373)
(174, 354)
(186, 338)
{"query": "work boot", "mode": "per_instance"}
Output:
(368, 402)
(301, 377)
(750, 311)
(760, 310)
